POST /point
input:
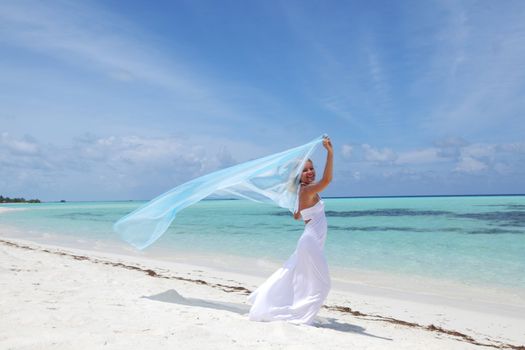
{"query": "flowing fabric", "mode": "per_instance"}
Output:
(273, 179)
(297, 290)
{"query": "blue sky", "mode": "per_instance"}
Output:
(111, 100)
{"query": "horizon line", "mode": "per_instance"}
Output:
(328, 197)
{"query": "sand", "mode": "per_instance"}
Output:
(62, 298)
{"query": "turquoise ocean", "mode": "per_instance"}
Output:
(477, 240)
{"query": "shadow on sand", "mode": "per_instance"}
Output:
(172, 296)
(332, 323)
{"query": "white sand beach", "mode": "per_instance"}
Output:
(62, 298)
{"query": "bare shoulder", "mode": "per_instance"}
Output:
(307, 195)
(305, 189)
(309, 190)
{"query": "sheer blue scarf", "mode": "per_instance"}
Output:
(272, 179)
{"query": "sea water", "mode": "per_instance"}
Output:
(477, 240)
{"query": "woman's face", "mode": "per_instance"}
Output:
(308, 175)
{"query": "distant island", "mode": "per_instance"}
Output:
(17, 200)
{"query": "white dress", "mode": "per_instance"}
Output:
(296, 291)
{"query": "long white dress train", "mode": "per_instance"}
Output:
(296, 291)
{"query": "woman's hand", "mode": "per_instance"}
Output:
(327, 144)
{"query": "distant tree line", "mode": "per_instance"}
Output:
(17, 200)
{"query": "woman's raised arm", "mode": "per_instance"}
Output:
(328, 170)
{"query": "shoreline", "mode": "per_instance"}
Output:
(384, 309)
(426, 289)
(470, 297)
(368, 282)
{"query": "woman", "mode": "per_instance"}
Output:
(296, 291)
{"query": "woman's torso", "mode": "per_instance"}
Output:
(315, 222)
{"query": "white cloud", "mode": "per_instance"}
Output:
(142, 167)
(452, 156)
(478, 151)
(516, 147)
(470, 165)
(139, 154)
(346, 151)
(420, 156)
(96, 41)
(82, 34)
(25, 146)
(379, 78)
(376, 155)
(114, 163)
(402, 174)
(450, 147)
